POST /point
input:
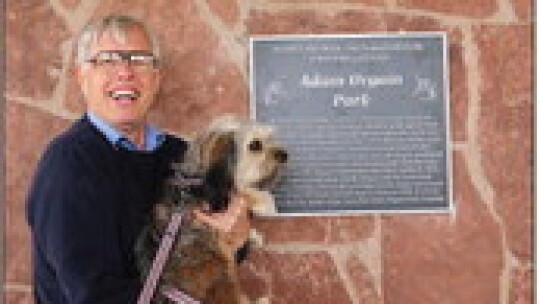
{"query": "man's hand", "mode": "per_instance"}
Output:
(232, 225)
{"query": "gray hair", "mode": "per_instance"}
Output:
(118, 25)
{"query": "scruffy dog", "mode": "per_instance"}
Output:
(232, 154)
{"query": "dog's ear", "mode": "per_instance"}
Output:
(217, 147)
(219, 156)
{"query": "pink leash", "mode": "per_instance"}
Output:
(162, 255)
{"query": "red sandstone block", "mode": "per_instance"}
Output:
(523, 9)
(367, 2)
(293, 278)
(282, 230)
(475, 9)
(327, 230)
(521, 291)
(73, 101)
(227, 10)
(28, 132)
(364, 282)
(505, 126)
(443, 258)
(312, 22)
(459, 95)
(33, 37)
(70, 4)
(14, 297)
(17, 246)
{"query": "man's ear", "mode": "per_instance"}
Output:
(159, 78)
(76, 72)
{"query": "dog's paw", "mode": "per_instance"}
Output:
(264, 209)
(256, 239)
(262, 300)
(261, 202)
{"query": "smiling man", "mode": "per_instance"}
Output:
(96, 183)
(119, 76)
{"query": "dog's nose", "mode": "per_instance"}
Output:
(280, 155)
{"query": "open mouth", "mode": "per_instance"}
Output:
(129, 95)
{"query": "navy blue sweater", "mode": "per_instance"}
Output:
(86, 206)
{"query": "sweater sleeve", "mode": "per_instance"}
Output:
(71, 211)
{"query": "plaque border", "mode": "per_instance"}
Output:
(451, 209)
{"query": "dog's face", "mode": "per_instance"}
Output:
(247, 152)
(259, 159)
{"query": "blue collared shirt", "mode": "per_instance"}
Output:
(153, 137)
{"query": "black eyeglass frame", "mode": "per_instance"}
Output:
(126, 56)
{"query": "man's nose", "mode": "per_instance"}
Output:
(124, 70)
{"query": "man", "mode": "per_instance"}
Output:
(96, 182)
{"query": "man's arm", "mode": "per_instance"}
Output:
(75, 229)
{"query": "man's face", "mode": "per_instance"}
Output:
(121, 93)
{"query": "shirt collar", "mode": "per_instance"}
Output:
(153, 137)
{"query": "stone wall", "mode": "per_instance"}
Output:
(482, 253)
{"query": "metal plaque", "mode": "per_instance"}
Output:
(364, 118)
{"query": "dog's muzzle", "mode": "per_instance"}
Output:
(281, 155)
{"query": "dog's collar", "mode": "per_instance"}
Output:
(186, 181)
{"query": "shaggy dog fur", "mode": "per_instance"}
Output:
(231, 155)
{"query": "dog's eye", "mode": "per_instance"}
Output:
(255, 145)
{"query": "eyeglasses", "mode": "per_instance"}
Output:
(139, 61)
